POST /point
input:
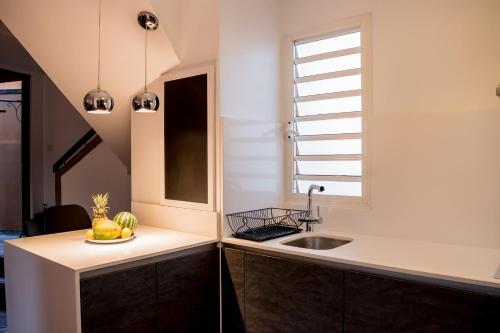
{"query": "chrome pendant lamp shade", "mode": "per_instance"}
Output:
(146, 101)
(98, 101)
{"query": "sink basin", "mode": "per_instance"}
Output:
(317, 242)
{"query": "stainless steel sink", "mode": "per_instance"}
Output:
(317, 242)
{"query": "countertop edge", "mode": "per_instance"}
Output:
(143, 257)
(79, 267)
(378, 267)
(37, 255)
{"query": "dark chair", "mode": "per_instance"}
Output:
(65, 218)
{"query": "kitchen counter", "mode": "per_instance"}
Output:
(463, 264)
(70, 249)
(43, 273)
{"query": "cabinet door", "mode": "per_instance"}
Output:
(381, 304)
(289, 296)
(122, 301)
(233, 290)
(188, 293)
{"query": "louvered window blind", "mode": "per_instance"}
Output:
(328, 116)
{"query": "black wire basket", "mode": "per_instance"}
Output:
(264, 224)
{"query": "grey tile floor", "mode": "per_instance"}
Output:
(4, 235)
(3, 322)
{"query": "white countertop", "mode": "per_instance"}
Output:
(71, 250)
(465, 264)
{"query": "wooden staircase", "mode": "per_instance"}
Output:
(74, 155)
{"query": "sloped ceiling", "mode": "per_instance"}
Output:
(61, 36)
(192, 27)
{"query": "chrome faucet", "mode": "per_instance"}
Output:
(310, 219)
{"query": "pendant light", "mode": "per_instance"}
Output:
(146, 101)
(98, 101)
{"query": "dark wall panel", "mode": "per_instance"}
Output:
(185, 135)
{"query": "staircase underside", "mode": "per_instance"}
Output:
(61, 36)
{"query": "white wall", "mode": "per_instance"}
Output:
(55, 126)
(98, 172)
(192, 26)
(435, 159)
(63, 126)
(249, 50)
(147, 129)
(434, 162)
(10, 162)
(13, 57)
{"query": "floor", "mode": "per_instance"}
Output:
(3, 322)
(4, 235)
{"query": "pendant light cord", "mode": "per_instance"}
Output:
(146, 59)
(99, 50)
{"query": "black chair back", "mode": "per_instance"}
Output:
(65, 218)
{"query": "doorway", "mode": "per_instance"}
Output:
(15, 203)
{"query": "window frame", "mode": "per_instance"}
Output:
(360, 23)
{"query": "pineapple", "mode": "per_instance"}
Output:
(100, 209)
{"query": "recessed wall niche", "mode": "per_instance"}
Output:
(188, 137)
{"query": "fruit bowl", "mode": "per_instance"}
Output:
(110, 241)
(106, 231)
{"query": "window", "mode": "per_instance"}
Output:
(329, 113)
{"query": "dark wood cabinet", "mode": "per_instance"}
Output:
(233, 290)
(291, 296)
(272, 294)
(380, 304)
(122, 301)
(264, 294)
(188, 294)
(177, 295)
